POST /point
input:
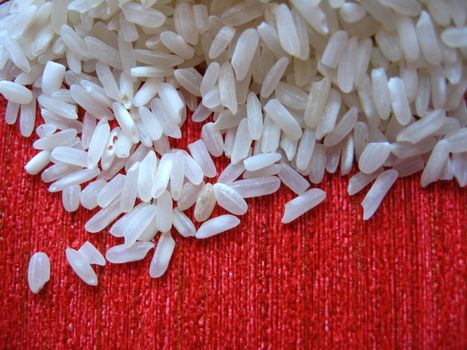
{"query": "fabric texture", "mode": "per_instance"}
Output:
(329, 280)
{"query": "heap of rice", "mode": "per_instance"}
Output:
(285, 90)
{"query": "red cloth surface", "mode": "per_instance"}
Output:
(328, 280)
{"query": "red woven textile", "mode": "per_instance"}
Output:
(328, 280)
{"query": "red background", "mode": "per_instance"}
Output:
(328, 280)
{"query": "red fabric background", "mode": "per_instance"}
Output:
(328, 280)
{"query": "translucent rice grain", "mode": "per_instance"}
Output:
(273, 76)
(346, 69)
(146, 176)
(231, 173)
(287, 30)
(11, 112)
(373, 156)
(227, 91)
(229, 199)
(217, 225)
(242, 13)
(427, 38)
(80, 264)
(270, 140)
(335, 49)
(289, 147)
(44, 130)
(359, 181)
(343, 128)
(317, 164)
(128, 30)
(160, 180)
(205, 203)
(108, 81)
(201, 155)
(91, 253)
(244, 52)
(189, 79)
(301, 204)
(200, 17)
(409, 166)
(57, 171)
(138, 223)
(189, 195)
(110, 191)
(58, 107)
(177, 45)
(193, 171)
(201, 113)
(408, 38)
(75, 178)
(255, 116)
(271, 39)
(438, 88)
(69, 155)
(210, 78)
(283, 119)
(184, 22)
(151, 123)
(27, 118)
(363, 58)
(183, 224)
(377, 192)
(330, 113)
(103, 52)
(212, 139)
(389, 44)
(434, 166)
(256, 187)
(455, 37)
(70, 198)
(15, 52)
(120, 254)
(312, 14)
(380, 92)
(316, 103)
(125, 121)
(15, 92)
(399, 102)
(88, 196)
(160, 261)
(221, 41)
(140, 15)
(177, 177)
(270, 170)
(292, 179)
(242, 142)
(351, 12)
(171, 101)
(347, 155)
(38, 271)
(261, 161)
(146, 92)
(98, 143)
(118, 228)
(422, 128)
(58, 139)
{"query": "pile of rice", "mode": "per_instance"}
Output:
(285, 90)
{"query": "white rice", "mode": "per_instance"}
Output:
(286, 91)
(38, 271)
